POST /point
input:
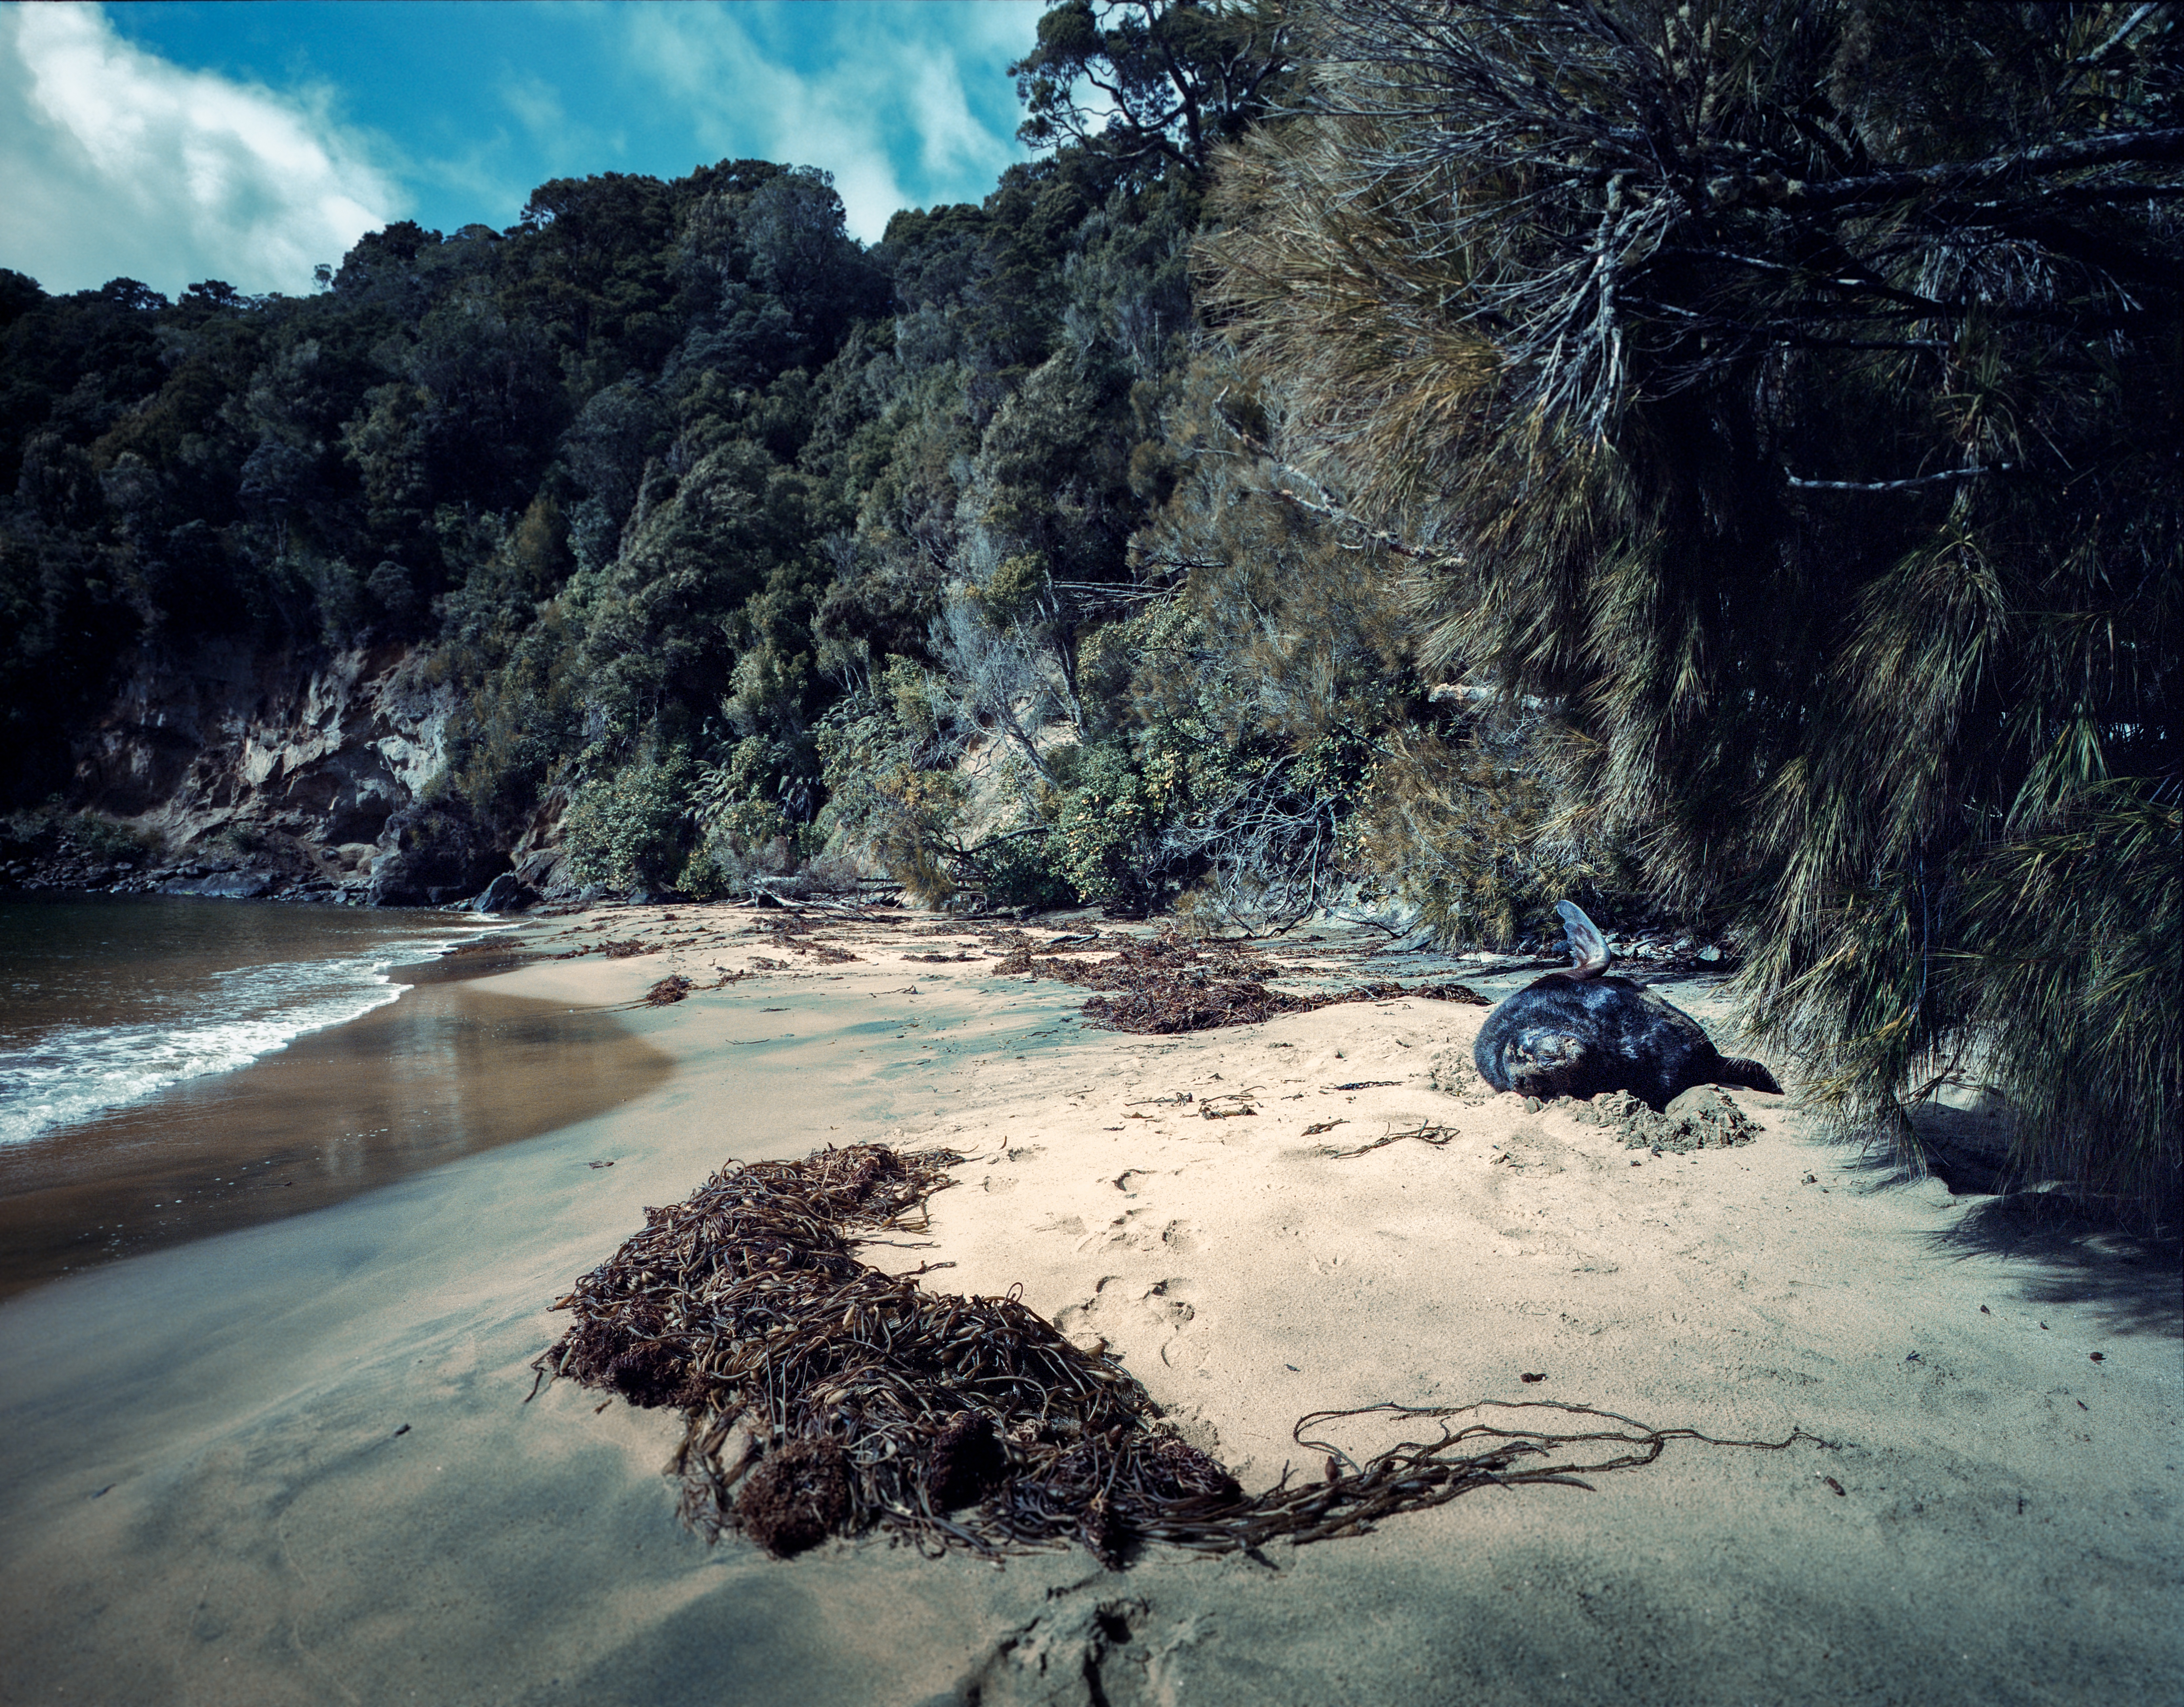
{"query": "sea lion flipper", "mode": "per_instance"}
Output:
(1753, 1076)
(1588, 952)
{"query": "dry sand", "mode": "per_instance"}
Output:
(293, 1462)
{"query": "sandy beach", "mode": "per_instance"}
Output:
(294, 1462)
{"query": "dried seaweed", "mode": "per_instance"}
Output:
(1166, 985)
(823, 1396)
(613, 950)
(788, 933)
(1438, 1136)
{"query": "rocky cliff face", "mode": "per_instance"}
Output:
(228, 771)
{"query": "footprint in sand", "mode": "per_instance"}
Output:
(1120, 1318)
(1140, 1230)
(1168, 1302)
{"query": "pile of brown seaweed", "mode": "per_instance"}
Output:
(1167, 984)
(824, 1397)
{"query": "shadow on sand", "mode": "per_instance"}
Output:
(2074, 1253)
(2132, 1280)
(2066, 1250)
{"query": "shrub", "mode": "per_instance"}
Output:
(1776, 405)
(706, 876)
(633, 829)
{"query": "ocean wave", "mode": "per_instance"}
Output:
(74, 1073)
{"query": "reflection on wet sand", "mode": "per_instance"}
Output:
(446, 1071)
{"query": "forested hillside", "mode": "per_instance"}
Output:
(1720, 461)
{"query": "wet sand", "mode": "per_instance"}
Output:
(298, 1463)
(447, 1069)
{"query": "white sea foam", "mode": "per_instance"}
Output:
(76, 1072)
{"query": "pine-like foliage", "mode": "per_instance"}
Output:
(1791, 389)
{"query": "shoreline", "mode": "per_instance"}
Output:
(295, 1463)
(440, 1070)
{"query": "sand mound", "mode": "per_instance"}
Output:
(1700, 1119)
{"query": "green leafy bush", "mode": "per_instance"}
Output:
(706, 876)
(634, 828)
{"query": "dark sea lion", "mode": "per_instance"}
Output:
(1579, 1033)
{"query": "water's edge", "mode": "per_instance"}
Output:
(439, 1070)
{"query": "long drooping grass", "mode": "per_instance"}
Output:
(1792, 394)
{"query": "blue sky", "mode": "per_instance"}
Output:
(175, 143)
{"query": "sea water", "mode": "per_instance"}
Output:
(175, 1069)
(107, 1001)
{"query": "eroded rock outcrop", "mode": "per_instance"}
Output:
(247, 774)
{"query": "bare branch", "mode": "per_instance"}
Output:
(1946, 474)
(2117, 147)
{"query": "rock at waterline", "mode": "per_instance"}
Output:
(506, 893)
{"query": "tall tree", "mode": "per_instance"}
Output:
(1152, 82)
(1793, 390)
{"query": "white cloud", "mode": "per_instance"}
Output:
(537, 103)
(120, 163)
(890, 111)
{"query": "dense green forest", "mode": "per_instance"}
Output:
(1722, 461)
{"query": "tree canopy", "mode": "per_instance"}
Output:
(1717, 460)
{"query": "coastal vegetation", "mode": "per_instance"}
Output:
(1720, 461)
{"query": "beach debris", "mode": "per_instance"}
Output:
(1363, 1085)
(1166, 984)
(613, 951)
(823, 1397)
(1320, 1127)
(744, 1304)
(796, 1497)
(1531, 1378)
(790, 933)
(1437, 1136)
(668, 991)
(1836, 1488)
(595, 1166)
(1229, 1106)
